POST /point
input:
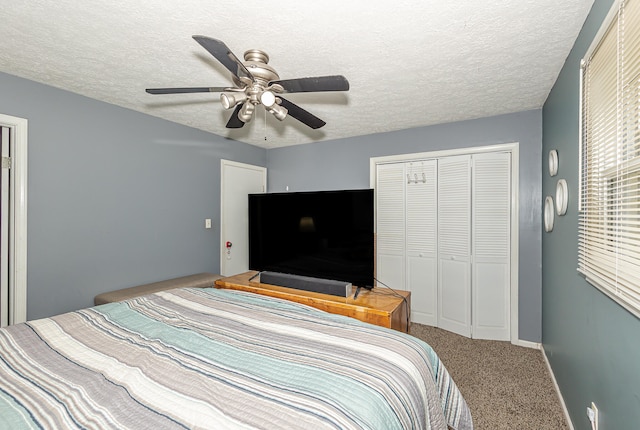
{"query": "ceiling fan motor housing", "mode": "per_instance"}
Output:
(256, 61)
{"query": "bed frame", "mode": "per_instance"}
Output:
(199, 280)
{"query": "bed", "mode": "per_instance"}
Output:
(203, 358)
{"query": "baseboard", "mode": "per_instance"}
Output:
(527, 344)
(555, 384)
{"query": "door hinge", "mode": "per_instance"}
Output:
(6, 162)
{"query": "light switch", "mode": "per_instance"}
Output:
(207, 223)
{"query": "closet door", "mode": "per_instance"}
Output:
(421, 240)
(454, 244)
(491, 225)
(390, 225)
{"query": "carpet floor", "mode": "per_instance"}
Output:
(505, 386)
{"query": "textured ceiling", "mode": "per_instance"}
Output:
(409, 63)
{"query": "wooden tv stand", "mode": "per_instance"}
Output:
(378, 306)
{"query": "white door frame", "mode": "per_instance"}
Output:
(17, 218)
(514, 149)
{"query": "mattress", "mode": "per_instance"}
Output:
(197, 358)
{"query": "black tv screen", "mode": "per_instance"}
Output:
(322, 234)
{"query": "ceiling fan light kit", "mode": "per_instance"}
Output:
(230, 100)
(270, 103)
(246, 113)
(256, 82)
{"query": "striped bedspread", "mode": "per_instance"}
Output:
(220, 359)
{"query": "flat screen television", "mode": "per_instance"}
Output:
(321, 234)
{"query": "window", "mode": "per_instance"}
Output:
(609, 223)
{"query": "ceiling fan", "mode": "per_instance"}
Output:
(258, 83)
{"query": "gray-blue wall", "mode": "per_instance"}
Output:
(115, 198)
(118, 198)
(345, 164)
(592, 343)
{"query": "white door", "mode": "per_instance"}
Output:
(4, 228)
(390, 225)
(454, 244)
(406, 222)
(458, 227)
(422, 240)
(238, 180)
(491, 225)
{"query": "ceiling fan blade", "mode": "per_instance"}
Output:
(302, 115)
(186, 90)
(223, 54)
(234, 121)
(320, 83)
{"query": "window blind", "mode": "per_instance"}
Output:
(609, 220)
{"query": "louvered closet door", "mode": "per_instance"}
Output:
(421, 237)
(491, 223)
(390, 225)
(454, 244)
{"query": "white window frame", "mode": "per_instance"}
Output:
(608, 252)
